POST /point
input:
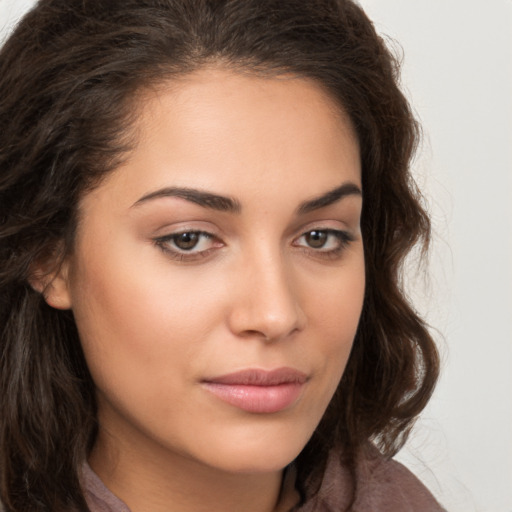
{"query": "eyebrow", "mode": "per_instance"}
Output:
(232, 205)
(347, 189)
(200, 197)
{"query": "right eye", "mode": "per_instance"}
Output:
(189, 240)
(188, 244)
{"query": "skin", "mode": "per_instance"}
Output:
(155, 322)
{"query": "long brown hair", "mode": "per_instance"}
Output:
(69, 78)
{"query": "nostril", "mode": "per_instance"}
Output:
(268, 323)
(257, 334)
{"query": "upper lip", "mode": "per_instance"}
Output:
(260, 377)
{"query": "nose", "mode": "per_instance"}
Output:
(267, 304)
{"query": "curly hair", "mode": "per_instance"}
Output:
(69, 79)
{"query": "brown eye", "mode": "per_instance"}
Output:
(316, 239)
(324, 242)
(189, 245)
(186, 241)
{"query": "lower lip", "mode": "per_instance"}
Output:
(257, 399)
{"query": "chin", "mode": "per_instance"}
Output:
(267, 461)
(261, 452)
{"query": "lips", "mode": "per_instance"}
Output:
(258, 391)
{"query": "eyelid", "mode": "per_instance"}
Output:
(192, 224)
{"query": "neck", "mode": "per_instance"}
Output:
(163, 482)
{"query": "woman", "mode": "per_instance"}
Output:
(205, 206)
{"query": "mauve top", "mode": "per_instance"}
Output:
(382, 486)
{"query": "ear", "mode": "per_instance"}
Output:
(53, 283)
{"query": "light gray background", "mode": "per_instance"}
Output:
(458, 74)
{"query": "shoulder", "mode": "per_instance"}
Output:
(381, 485)
(97, 496)
(385, 484)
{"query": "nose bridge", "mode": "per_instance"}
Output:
(268, 303)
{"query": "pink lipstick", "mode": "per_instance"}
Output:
(258, 391)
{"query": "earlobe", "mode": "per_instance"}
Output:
(53, 286)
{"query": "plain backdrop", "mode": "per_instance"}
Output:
(457, 71)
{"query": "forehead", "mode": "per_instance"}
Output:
(248, 95)
(218, 128)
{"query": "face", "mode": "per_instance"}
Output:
(218, 274)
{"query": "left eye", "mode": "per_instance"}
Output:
(324, 239)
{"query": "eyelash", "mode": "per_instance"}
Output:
(343, 239)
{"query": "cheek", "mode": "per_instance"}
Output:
(336, 317)
(141, 338)
(134, 317)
